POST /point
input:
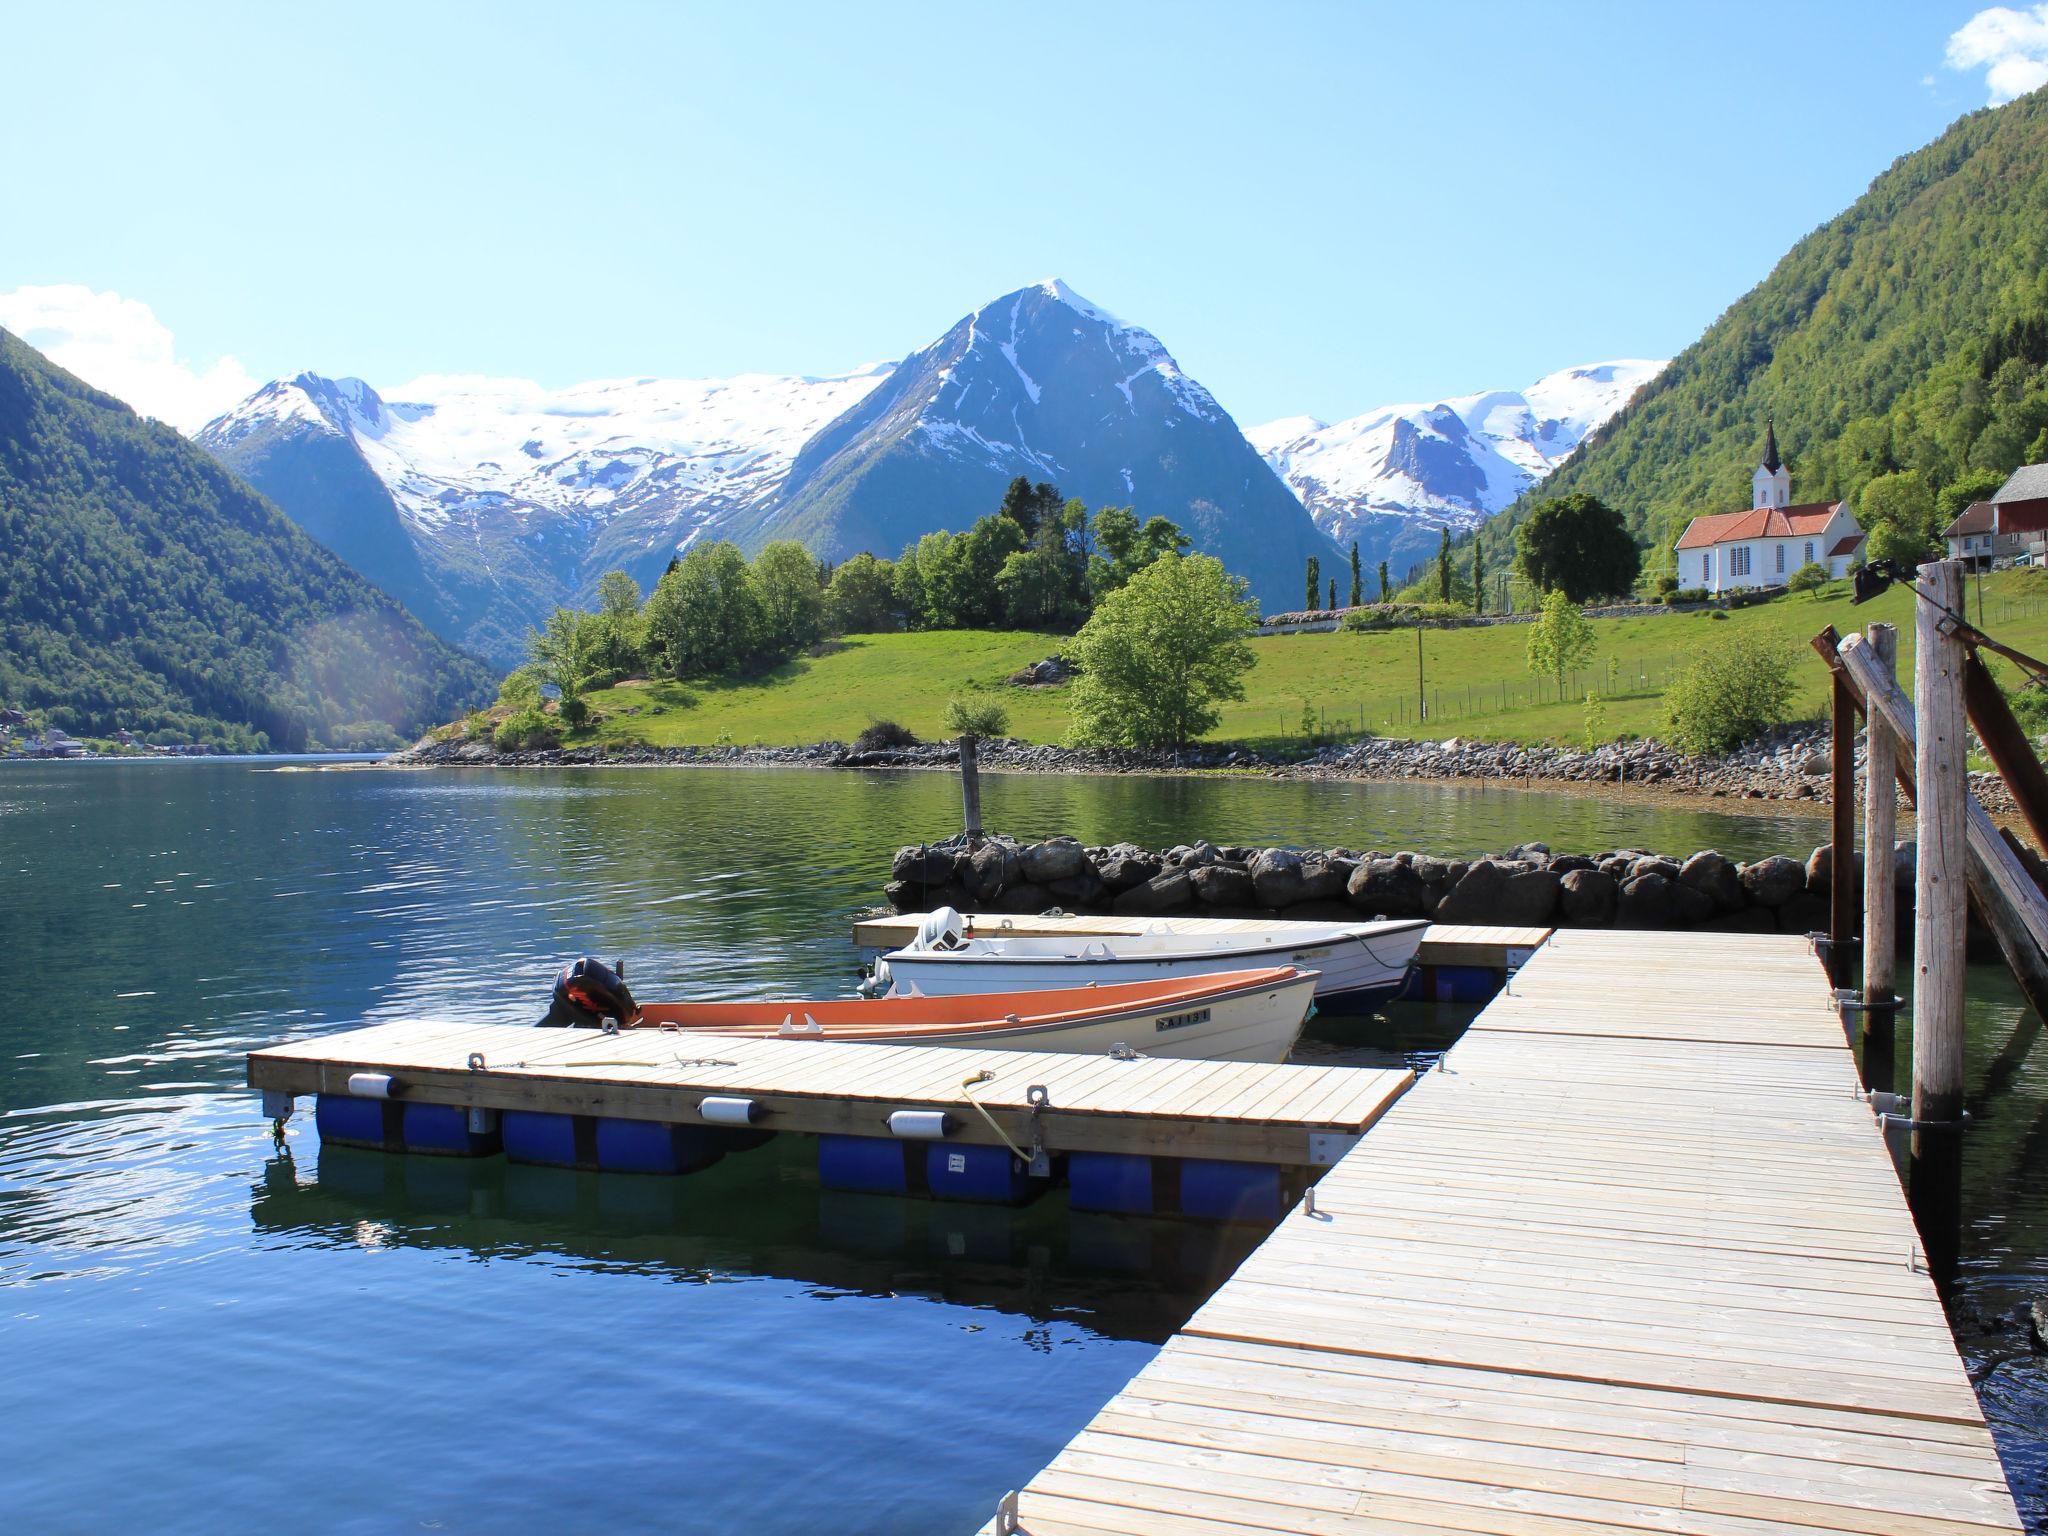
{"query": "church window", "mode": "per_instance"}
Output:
(1738, 562)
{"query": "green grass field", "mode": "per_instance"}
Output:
(1476, 680)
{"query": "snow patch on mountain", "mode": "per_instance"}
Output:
(1453, 462)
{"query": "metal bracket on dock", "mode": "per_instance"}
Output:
(1039, 1163)
(1850, 1000)
(1006, 1515)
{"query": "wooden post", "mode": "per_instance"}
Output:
(2006, 744)
(1842, 844)
(1941, 907)
(970, 783)
(1880, 893)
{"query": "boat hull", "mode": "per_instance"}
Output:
(1356, 970)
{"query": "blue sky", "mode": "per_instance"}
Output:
(1318, 207)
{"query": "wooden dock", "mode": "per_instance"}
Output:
(1634, 1259)
(1483, 947)
(1230, 1111)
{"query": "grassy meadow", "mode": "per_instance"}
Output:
(1476, 681)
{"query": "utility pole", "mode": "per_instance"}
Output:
(1421, 699)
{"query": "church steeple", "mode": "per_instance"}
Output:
(1772, 482)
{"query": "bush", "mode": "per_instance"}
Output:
(606, 677)
(520, 691)
(884, 736)
(1739, 688)
(1403, 615)
(1689, 595)
(1667, 585)
(526, 731)
(574, 711)
(981, 718)
(1809, 577)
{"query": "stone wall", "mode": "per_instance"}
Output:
(1525, 886)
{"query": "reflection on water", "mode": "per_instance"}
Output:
(512, 1349)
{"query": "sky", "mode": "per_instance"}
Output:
(1318, 208)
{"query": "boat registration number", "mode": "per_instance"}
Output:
(1312, 954)
(1181, 1020)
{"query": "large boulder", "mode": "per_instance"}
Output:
(1715, 877)
(1173, 891)
(916, 896)
(993, 868)
(1082, 890)
(1647, 901)
(927, 866)
(1586, 897)
(1804, 913)
(1820, 869)
(1692, 907)
(1324, 876)
(1024, 898)
(1057, 858)
(1476, 897)
(1437, 876)
(1565, 863)
(1774, 881)
(1224, 885)
(1122, 870)
(1277, 877)
(1386, 888)
(1652, 864)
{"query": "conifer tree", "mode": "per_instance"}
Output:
(1315, 581)
(1478, 574)
(1386, 588)
(1443, 568)
(1354, 574)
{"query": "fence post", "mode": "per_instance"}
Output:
(1941, 892)
(1880, 890)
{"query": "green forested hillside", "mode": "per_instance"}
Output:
(1909, 334)
(143, 585)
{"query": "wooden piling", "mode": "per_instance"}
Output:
(1880, 892)
(1941, 908)
(970, 782)
(1842, 841)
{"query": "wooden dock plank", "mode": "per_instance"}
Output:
(1566, 1286)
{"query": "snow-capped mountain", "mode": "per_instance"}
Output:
(1042, 383)
(1392, 477)
(482, 502)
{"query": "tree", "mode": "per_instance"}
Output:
(1899, 514)
(1973, 485)
(1561, 639)
(561, 652)
(1030, 506)
(1158, 655)
(1443, 568)
(1315, 582)
(1740, 687)
(786, 578)
(861, 598)
(1478, 574)
(705, 616)
(1579, 545)
(972, 719)
(1386, 587)
(1333, 592)
(1355, 593)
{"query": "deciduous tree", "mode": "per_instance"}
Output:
(1161, 653)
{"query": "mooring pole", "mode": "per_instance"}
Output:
(970, 782)
(1941, 910)
(1842, 846)
(1880, 892)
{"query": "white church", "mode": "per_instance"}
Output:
(1734, 551)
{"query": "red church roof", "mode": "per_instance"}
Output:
(1757, 523)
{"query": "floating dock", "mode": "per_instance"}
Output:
(654, 1100)
(1634, 1259)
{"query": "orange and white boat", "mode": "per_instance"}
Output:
(1249, 1015)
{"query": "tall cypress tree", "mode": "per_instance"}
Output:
(1315, 582)
(1443, 568)
(1354, 574)
(1386, 588)
(1333, 594)
(1478, 574)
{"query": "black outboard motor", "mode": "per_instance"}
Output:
(587, 993)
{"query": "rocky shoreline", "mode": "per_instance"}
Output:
(1790, 765)
(1527, 886)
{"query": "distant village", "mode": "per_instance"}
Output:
(20, 737)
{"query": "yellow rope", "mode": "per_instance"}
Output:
(966, 1089)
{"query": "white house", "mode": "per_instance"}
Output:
(1731, 551)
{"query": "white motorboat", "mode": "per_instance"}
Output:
(1247, 1014)
(1359, 965)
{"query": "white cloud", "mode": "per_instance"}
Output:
(120, 346)
(2010, 46)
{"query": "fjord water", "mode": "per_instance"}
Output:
(204, 1331)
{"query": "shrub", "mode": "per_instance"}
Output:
(574, 711)
(883, 736)
(520, 691)
(1689, 595)
(525, 731)
(1667, 585)
(1719, 615)
(1740, 687)
(1808, 577)
(982, 718)
(606, 677)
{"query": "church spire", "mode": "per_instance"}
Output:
(1771, 444)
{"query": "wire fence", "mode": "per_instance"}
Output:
(1616, 677)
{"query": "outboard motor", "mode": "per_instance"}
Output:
(942, 929)
(587, 993)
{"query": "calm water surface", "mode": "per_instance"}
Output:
(206, 1332)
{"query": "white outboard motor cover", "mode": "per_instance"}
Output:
(942, 929)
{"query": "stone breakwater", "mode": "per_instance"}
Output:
(1792, 764)
(1526, 886)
